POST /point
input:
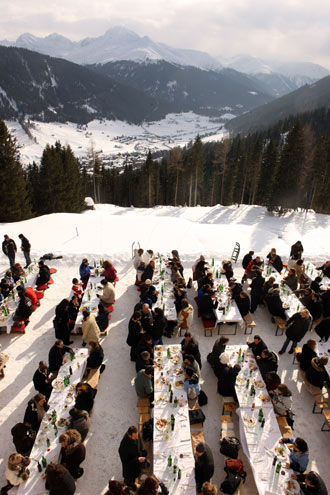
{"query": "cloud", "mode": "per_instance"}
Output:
(284, 29)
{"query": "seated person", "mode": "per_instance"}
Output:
(207, 304)
(17, 271)
(299, 456)
(325, 269)
(316, 285)
(316, 374)
(291, 279)
(109, 271)
(315, 307)
(272, 381)
(144, 383)
(267, 361)
(77, 288)
(312, 484)
(274, 303)
(41, 380)
(24, 308)
(95, 357)
(143, 360)
(275, 260)
(44, 274)
(55, 356)
(23, 438)
(218, 348)
(80, 421)
(191, 383)
(226, 383)
(189, 345)
(305, 357)
(282, 399)
(84, 397)
(108, 296)
(102, 318)
(323, 329)
(35, 411)
(257, 346)
(243, 303)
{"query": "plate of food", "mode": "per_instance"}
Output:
(178, 371)
(175, 348)
(161, 424)
(179, 384)
(280, 452)
(249, 421)
(62, 422)
(159, 361)
(56, 384)
(264, 397)
(69, 399)
(162, 400)
(158, 348)
(175, 359)
(259, 384)
(240, 380)
(159, 353)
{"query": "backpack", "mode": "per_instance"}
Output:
(230, 484)
(229, 446)
(289, 418)
(147, 430)
(196, 416)
(235, 466)
(202, 398)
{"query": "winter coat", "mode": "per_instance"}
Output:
(95, 358)
(296, 251)
(298, 460)
(149, 296)
(305, 357)
(55, 357)
(243, 305)
(206, 306)
(146, 321)
(256, 292)
(81, 424)
(25, 244)
(185, 317)
(268, 364)
(109, 295)
(300, 269)
(200, 269)
(141, 364)
(148, 273)
(297, 327)
(85, 271)
(90, 329)
(257, 348)
(23, 438)
(235, 291)
(291, 281)
(102, 319)
(64, 485)
(44, 275)
(226, 382)
(24, 309)
(85, 399)
(31, 415)
(275, 306)
(316, 287)
(134, 332)
(277, 263)
(316, 309)
(158, 327)
(137, 260)
(204, 467)
(217, 350)
(61, 324)
(316, 374)
(246, 260)
(110, 274)
(282, 403)
(17, 273)
(325, 270)
(192, 348)
(143, 385)
(30, 293)
(17, 476)
(228, 271)
(41, 384)
(319, 489)
(143, 346)
(129, 452)
(9, 247)
(323, 329)
(74, 454)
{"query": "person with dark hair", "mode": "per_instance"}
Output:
(158, 327)
(243, 303)
(315, 307)
(35, 411)
(200, 269)
(109, 271)
(316, 374)
(306, 355)
(102, 318)
(256, 290)
(41, 380)
(312, 484)
(247, 258)
(44, 274)
(325, 268)
(73, 452)
(209, 489)
(55, 356)
(227, 380)
(143, 360)
(26, 248)
(145, 344)
(118, 488)
(296, 250)
(131, 456)
(204, 464)
(135, 330)
(96, 355)
(148, 272)
(326, 302)
(323, 329)
(282, 399)
(296, 328)
(17, 272)
(59, 480)
(191, 382)
(185, 316)
(227, 269)
(24, 308)
(144, 383)
(152, 486)
(299, 456)
(235, 289)
(147, 317)
(108, 294)
(218, 348)
(291, 279)
(80, 421)
(316, 285)
(150, 296)
(275, 260)
(207, 280)
(85, 272)
(207, 304)
(189, 345)
(274, 303)
(190, 362)
(85, 397)
(9, 248)
(267, 361)
(272, 381)
(23, 438)
(257, 346)
(61, 322)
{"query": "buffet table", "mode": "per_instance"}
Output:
(62, 399)
(177, 472)
(260, 444)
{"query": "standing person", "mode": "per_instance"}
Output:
(135, 330)
(323, 329)
(131, 456)
(204, 464)
(55, 357)
(85, 272)
(185, 316)
(61, 322)
(218, 348)
(189, 345)
(35, 411)
(296, 251)
(296, 328)
(256, 291)
(73, 452)
(143, 383)
(226, 383)
(59, 480)
(305, 357)
(158, 327)
(9, 248)
(40, 380)
(26, 248)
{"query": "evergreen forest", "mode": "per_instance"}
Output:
(285, 167)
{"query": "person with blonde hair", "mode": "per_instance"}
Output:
(16, 471)
(209, 489)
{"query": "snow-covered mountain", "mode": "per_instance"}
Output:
(118, 43)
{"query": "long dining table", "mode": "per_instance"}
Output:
(61, 400)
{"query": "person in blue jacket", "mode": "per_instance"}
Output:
(85, 271)
(299, 456)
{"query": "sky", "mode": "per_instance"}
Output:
(279, 29)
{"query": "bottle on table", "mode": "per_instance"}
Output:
(47, 442)
(168, 353)
(169, 461)
(278, 467)
(172, 422)
(171, 397)
(43, 461)
(175, 401)
(275, 460)
(179, 474)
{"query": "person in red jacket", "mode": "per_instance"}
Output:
(109, 272)
(30, 293)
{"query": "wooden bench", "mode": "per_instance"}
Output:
(197, 435)
(321, 405)
(208, 327)
(227, 427)
(297, 350)
(3, 364)
(326, 414)
(285, 429)
(229, 406)
(93, 377)
(143, 418)
(280, 325)
(249, 326)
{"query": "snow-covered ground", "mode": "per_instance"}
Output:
(109, 232)
(116, 139)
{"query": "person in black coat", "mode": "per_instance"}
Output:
(226, 383)
(35, 410)
(23, 438)
(316, 374)
(73, 311)
(40, 380)
(257, 346)
(200, 270)
(296, 251)
(204, 464)
(311, 483)
(207, 280)
(102, 318)
(143, 360)
(145, 344)
(189, 345)
(150, 296)
(256, 291)
(26, 248)
(227, 269)
(79, 421)
(247, 258)
(148, 273)
(218, 348)
(315, 307)
(207, 304)
(9, 248)
(326, 303)
(323, 329)
(306, 355)
(44, 274)
(316, 285)
(235, 290)
(55, 356)
(59, 481)
(24, 307)
(131, 456)
(274, 304)
(158, 327)
(85, 397)
(296, 328)
(267, 361)
(276, 261)
(243, 303)
(147, 317)
(135, 330)
(61, 322)
(73, 452)
(96, 355)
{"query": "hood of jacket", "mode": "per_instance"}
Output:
(315, 364)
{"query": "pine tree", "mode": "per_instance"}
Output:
(15, 201)
(175, 166)
(267, 171)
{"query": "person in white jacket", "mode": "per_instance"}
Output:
(109, 295)
(90, 329)
(185, 316)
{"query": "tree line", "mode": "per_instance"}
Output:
(285, 167)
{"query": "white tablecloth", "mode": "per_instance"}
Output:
(89, 300)
(62, 403)
(162, 283)
(176, 443)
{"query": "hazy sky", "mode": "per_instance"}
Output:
(286, 29)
